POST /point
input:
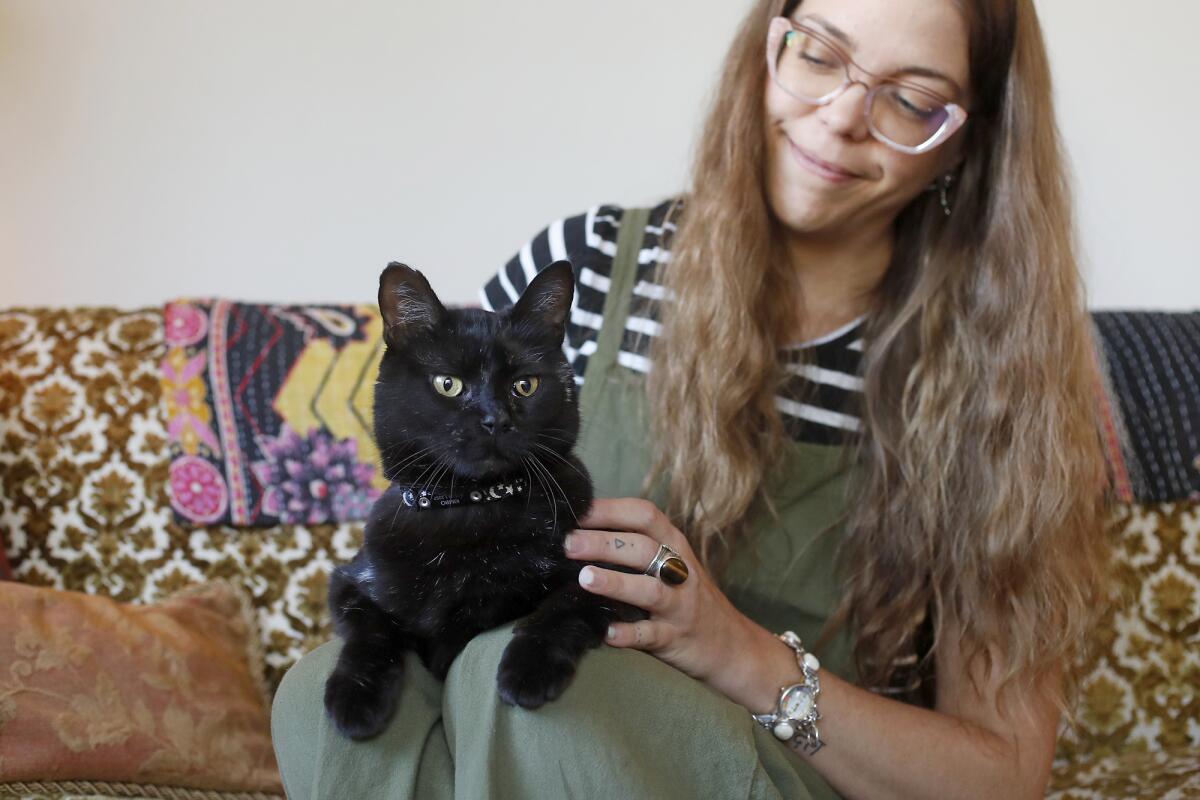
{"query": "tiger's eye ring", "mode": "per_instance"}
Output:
(667, 566)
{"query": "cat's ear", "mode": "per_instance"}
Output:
(407, 303)
(546, 302)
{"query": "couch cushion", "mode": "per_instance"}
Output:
(168, 695)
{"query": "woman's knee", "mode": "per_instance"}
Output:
(623, 703)
(608, 681)
(298, 714)
(302, 689)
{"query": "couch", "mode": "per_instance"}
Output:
(176, 483)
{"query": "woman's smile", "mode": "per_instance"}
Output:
(830, 172)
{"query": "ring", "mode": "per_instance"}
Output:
(668, 567)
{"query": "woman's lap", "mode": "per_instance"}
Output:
(628, 725)
(318, 762)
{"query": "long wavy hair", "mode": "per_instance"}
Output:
(982, 497)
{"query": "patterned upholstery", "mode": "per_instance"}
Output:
(5, 569)
(1137, 733)
(85, 461)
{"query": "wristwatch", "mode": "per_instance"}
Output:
(794, 719)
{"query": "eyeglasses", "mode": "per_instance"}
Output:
(902, 115)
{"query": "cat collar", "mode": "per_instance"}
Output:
(423, 499)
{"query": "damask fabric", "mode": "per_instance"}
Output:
(84, 463)
(268, 412)
(1138, 702)
(1152, 360)
(166, 696)
(5, 569)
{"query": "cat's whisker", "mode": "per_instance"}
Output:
(545, 435)
(448, 467)
(392, 448)
(442, 464)
(529, 483)
(545, 490)
(398, 472)
(411, 457)
(566, 499)
(559, 456)
(433, 466)
(400, 443)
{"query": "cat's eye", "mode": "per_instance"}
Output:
(525, 386)
(447, 385)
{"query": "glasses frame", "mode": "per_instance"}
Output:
(955, 114)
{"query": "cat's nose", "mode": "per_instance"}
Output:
(496, 422)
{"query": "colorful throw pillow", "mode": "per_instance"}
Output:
(166, 696)
(268, 412)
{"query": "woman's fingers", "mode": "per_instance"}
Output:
(627, 549)
(645, 635)
(634, 514)
(642, 591)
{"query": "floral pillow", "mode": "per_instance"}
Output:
(167, 697)
(268, 411)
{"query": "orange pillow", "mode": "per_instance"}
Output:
(167, 696)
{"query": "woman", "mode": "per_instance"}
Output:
(853, 369)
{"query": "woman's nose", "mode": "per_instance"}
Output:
(846, 114)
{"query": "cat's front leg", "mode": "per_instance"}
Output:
(362, 692)
(541, 658)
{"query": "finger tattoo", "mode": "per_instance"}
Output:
(620, 543)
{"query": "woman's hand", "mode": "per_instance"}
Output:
(692, 626)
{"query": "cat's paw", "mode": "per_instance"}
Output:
(531, 676)
(358, 709)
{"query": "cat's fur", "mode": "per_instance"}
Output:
(429, 580)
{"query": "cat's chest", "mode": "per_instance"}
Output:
(476, 590)
(453, 572)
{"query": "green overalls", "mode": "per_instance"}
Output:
(629, 725)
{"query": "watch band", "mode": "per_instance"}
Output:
(795, 716)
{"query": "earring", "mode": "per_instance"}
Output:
(943, 185)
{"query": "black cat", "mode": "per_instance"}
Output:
(475, 416)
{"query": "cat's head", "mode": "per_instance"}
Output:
(470, 390)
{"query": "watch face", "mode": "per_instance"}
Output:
(797, 702)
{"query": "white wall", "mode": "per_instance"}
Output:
(272, 150)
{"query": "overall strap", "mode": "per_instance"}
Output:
(616, 305)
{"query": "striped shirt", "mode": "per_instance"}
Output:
(818, 397)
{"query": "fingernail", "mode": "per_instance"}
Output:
(571, 543)
(587, 576)
(611, 634)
